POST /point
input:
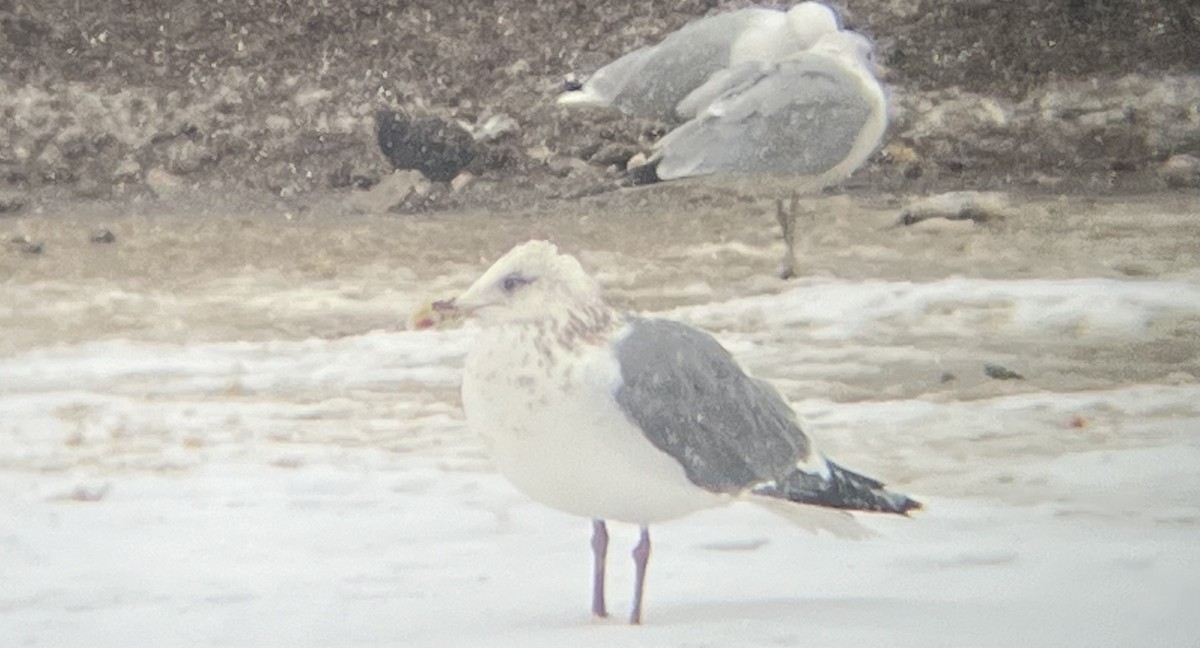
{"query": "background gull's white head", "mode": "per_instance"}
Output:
(530, 282)
(809, 21)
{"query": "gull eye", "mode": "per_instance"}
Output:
(514, 281)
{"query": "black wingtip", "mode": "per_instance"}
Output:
(841, 489)
(636, 177)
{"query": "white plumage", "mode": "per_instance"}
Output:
(620, 418)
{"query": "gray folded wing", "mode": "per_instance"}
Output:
(651, 81)
(729, 431)
(801, 116)
(722, 83)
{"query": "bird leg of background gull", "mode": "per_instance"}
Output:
(641, 556)
(600, 552)
(787, 223)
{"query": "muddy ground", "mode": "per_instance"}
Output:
(187, 275)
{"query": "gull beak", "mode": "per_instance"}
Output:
(434, 314)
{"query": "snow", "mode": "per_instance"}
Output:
(324, 491)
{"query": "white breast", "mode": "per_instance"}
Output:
(556, 432)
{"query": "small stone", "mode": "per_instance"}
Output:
(128, 171)
(613, 153)
(103, 236)
(163, 183)
(565, 165)
(391, 192)
(900, 154)
(947, 377)
(278, 123)
(1181, 171)
(975, 206)
(89, 492)
(1000, 373)
(1181, 378)
(11, 202)
(1045, 180)
(26, 246)
(520, 67)
(944, 227)
(461, 181)
(496, 127)
(52, 166)
(184, 157)
(91, 188)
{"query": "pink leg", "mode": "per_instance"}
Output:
(641, 556)
(600, 553)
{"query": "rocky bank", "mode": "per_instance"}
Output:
(138, 97)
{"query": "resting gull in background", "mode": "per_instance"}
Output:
(811, 118)
(814, 117)
(652, 81)
(614, 417)
(817, 116)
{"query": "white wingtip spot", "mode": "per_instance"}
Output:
(582, 98)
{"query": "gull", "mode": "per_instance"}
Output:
(815, 117)
(652, 81)
(610, 416)
(811, 119)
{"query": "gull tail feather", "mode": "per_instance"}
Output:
(814, 519)
(838, 488)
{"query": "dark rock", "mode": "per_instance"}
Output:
(24, 245)
(103, 236)
(998, 372)
(435, 147)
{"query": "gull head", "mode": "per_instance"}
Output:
(810, 21)
(532, 282)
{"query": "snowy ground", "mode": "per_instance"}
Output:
(171, 481)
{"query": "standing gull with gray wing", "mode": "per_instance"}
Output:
(613, 417)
